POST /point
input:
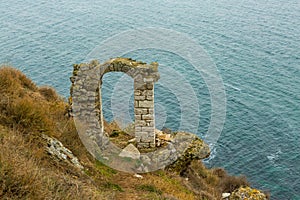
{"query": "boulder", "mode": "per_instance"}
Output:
(193, 148)
(247, 193)
(130, 151)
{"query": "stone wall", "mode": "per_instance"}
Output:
(144, 76)
(144, 113)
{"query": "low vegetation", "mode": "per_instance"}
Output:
(28, 172)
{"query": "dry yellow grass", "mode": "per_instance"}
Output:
(28, 172)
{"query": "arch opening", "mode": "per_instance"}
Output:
(144, 76)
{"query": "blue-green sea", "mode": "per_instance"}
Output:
(255, 46)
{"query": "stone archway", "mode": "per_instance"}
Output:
(144, 77)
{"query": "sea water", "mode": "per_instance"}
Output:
(255, 46)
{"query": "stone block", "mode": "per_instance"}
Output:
(149, 97)
(147, 140)
(139, 84)
(140, 123)
(148, 80)
(111, 68)
(91, 99)
(138, 117)
(149, 92)
(140, 87)
(143, 145)
(141, 135)
(166, 137)
(140, 111)
(152, 145)
(146, 104)
(90, 94)
(138, 138)
(148, 130)
(150, 123)
(148, 116)
(102, 70)
(136, 104)
(151, 111)
(139, 97)
(149, 86)
(138, 128)
(137, 92)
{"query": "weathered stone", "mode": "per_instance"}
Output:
(149, 97)
(136, 104)
(137, 93)
(158, 132)
(143, 145)
(141, 111)
(149, 86)
(138, 176)
(152, 145)
(139, 84)
(149, 92)
(225, 195)
(130, 151)
(138, 128)
(157, 142)
(57, 149)
(148, 129)
(146, 104)
(148, 116)
(139, 98)
(247, 193)
(145, 159)
(132, 140)
(141, 134)
(193, 148)
(139, 117)
(140, 123)
(163, 155)
(166, 137)
(148, 80)
(146, 139)
(86, 89)
(150, 123)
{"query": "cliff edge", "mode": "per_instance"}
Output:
(42, 156)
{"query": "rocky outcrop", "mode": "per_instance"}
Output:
(247, 193)
(195, 149)
(57, 149)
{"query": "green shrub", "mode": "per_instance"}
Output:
(149, 188)
(231, 183)
(113, 186)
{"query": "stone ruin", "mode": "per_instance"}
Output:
(144, 76)
(86, 108)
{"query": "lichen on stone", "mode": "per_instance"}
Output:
(247, 193)
(57, 149)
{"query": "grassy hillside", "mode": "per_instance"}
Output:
(27, 171)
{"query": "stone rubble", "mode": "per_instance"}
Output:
(138, 176)
(225, 196)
